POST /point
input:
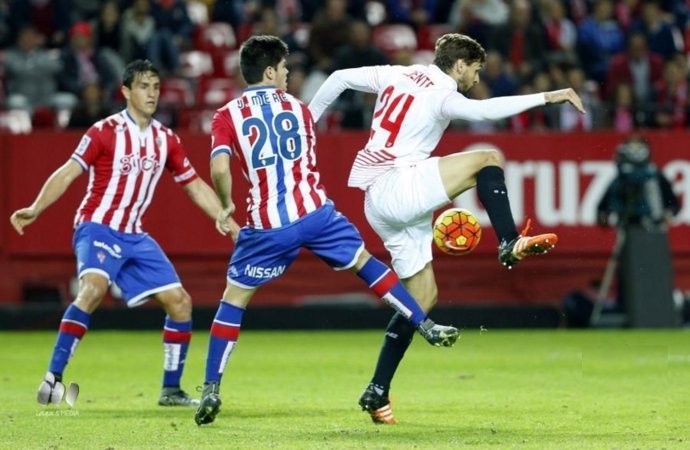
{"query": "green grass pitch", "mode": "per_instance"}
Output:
(497, 389)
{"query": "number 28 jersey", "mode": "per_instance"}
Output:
(272, 134)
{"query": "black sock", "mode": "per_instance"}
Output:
(492, 192)
(399, 334)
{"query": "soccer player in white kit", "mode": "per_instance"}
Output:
(125, 155)
(403, 185)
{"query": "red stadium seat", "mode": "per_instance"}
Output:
(231, 64)
(215, 92)
(44, 118)
(216, 36)
(176, 92)
(196, 63)
(424, 57)
(196, 119)
(428, 34)
(395, 37)
(15, 121)
(300, 31)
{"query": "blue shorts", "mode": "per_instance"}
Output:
(263, 255)
(135, 262)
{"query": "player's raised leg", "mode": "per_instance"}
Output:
(177, 333)
(225, 331)
(73, 326)
(484, 168)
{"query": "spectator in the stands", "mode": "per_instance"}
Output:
(599, 38)
(622, 114)
(418, 13)
(497, 78)
(51, 18)
(84, 10)
(561, 33)
(173, 33)
(520, 41)
(626, 11)
(639, 68)
(107, 27)
(476, 17)
(663, 38)
(108, 33)
(138, 27)
(82, 63)
(329, 30)
(31, 75)
(91, 108)
(358, 51)
(671, 97)
(569, 119)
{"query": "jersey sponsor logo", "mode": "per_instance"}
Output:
(114, 251)
(264, 272)
(133, 164)
(83, 145)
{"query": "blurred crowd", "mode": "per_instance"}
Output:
(61, 60)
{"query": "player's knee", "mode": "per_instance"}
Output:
(90, 294)
(178, 304)
(493, 158)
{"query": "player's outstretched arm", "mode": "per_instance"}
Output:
(204, 197)
(56, 185)
(565, 96)
(222, 182)
(363, 79)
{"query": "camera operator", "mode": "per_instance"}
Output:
(640, 194)
(640, 203)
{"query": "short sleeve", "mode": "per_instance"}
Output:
(222, 132)
(177, 163)
(90, 147)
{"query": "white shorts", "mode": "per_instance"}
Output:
(399, 206)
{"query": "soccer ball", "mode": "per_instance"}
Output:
(457, 231)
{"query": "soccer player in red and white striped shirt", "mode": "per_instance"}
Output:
(404, 185)
(125, 155)
(271, 135)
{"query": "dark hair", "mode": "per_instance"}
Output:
(138, 67)
(259, 52)
(454, 46)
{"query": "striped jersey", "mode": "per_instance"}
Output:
(272, 134)
(414, 106)
(124, 165)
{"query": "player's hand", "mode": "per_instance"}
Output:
(225, 224)
(21, 218)
(565, 95)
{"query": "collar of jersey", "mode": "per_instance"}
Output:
(445, 77)
(134, 122)
(135, 128)
(258, 88)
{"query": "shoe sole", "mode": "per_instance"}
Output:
(537, 245)
(383, 415)
(449, 339)
(50, 394)
(207, 414)
(380, 415)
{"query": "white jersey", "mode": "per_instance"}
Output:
(414, 106)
